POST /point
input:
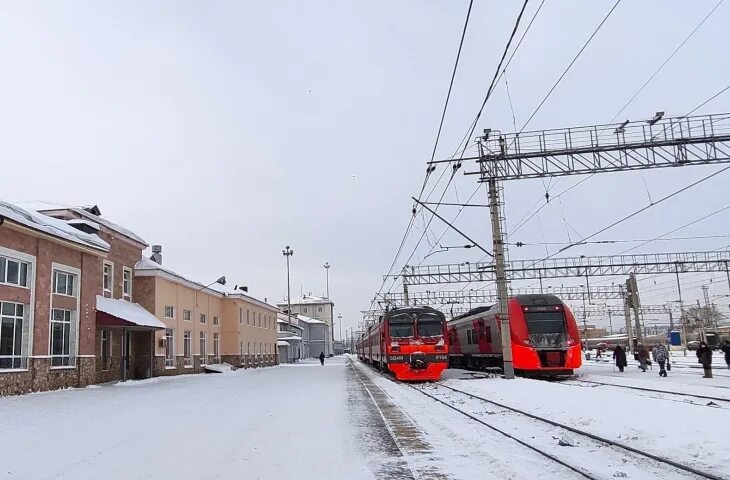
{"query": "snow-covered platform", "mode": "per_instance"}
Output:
(345, 420)
(286, 422)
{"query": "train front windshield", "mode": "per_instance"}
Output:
(429, 325)
(400, 326)
(547, 329)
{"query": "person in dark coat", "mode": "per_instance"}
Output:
(643, 355)
(704, 356)
(619, 355)
(726, 350)
(321, 358)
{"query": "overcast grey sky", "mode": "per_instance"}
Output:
(227, 130)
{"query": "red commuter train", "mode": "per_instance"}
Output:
(408, 341)
(543, 331)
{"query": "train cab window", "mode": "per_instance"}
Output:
(430, 326)
(545, 322)
(400, 326)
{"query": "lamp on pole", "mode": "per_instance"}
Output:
(288, 252)
(327, 269)
(339, 319)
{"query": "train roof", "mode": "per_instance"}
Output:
(538, 299)
(413, 309)
(473, 311)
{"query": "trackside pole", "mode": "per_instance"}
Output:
(501, 276)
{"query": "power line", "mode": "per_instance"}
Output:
(661, 67)
(438, 135)
(635, 240)
(451, 83)
(570, 65)
(636, 212)
(473, 126)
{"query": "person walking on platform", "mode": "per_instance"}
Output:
(726, 350)
(661, 356)
(642, 355)
(321, 358)
(704, 356)
(619, 355)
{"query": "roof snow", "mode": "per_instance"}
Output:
(282, 343)
(131, 312)
(147, 264)
(40, 206)
(52, 226)
(306, 300)
(309, 320)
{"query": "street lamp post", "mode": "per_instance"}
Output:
(332, 313)
(339, 319)
(288, 252)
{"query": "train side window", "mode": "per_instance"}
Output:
(488, 334)
(468, 337)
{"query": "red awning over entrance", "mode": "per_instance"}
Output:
(121, 313)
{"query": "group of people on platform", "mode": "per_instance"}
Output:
(660, 354)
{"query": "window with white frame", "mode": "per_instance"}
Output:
(203, 318)
(106, 349)
(305, 309)
(203, 353)
(240, 316)
(63, 338)
(259, 319)
(217, 346)
(188, 348)
(241, 348)
(216, 322)
(14, 272)
(12, 346)
(319, 309)
(169, 347)
(108, 278)
(64, 283)
(187, 315)
(248, 322)
(170, 311)
(127, 284)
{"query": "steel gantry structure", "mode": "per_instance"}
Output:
(481, 297)
(582, 266)
(628, 146)
(670, 142)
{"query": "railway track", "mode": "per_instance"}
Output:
(644, 389)
(656, 459)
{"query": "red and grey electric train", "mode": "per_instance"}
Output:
(543, 332)
(410, 342)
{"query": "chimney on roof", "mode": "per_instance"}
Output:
(156, 254)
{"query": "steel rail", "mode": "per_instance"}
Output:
(511, 437)
(656, 458)
(644, 389)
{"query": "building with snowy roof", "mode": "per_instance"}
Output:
(316, 308)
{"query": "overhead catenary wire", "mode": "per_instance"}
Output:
(473, 126)
(429, 170)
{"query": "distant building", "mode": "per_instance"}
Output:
(317, 308)
(289, 338)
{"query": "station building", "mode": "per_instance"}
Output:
(80, 304)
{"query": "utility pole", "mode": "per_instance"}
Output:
(627, 317)
(405, 287)
(637, 308)
(502, 281)
(708, 320)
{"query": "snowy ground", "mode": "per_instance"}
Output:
(289, 422)
(345, 420)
